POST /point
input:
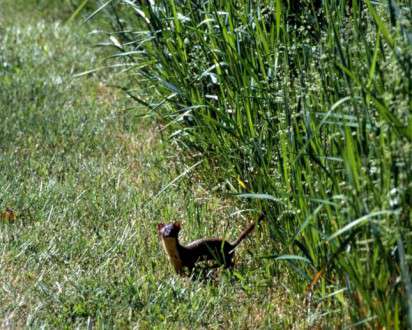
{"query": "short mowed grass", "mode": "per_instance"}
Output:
(82, 171)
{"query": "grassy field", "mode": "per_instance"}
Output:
(304, 108)
(82, 170)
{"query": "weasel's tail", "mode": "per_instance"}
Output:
(247, 231)
(243, 235)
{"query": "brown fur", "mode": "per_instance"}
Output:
(182, 256)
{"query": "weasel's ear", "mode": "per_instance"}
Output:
(177, 225)
(160, 226)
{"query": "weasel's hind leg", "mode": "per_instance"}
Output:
(229, 260)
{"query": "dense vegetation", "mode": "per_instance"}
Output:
(82, 171)
(301, 109)
(305, 111)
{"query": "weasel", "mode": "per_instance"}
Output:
(182, 256)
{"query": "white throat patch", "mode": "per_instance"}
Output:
(170, 247)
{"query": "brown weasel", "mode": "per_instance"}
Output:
(202, 249)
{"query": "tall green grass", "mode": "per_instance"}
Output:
(78, 167)
(306, 110)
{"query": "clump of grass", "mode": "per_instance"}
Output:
(307, 109)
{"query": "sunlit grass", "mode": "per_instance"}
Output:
(307, 108)
(80, 169)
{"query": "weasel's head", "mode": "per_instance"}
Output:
(168, 230)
